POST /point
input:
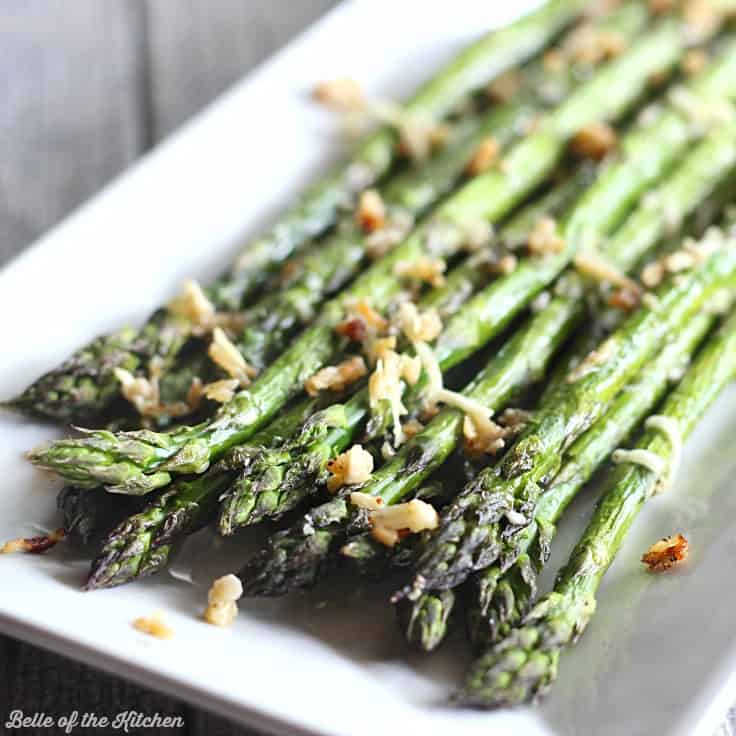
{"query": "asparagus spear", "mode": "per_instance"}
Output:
(298, 556)
(89, 514)
(84, 385)
(487, 518)
(524, 664)
(140, 544)
(279, 480)
(138, 462)
(708, 164)
(498, 600)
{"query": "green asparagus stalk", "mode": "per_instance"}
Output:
(138, 462)
(83, 387)
(140, 544)
(524, 664)
(498, 600)
(709, 163)
(89, 514)
(279, 480)
(484, 523)
(299, 555)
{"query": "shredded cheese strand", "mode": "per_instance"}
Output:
(670, 428)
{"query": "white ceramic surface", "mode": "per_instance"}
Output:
(658, 657)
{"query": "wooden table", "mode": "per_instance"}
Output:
(88, 86)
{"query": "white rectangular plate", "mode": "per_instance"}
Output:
(659, 654)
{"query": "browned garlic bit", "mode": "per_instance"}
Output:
(154, 625)
(505, 86)
(593, 360)
(221, 391)
(694, 61)
(144, 393)
(229, 358)
(33, 545)
(418, 326)
(544, 238)
(391, 523)
(193, 305)
(353, 466)
(666, 553)
(222, 597)
(485, 155)
(484, 439)
(411, 428)
(553, 60)
(377, 347)
(371, 212)
(428, 270)
(396, 227)
(362, 310)
(336, 377)
(627, 300)
(594, 141)
(505, 265)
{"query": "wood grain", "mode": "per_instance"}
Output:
(71, 114)
(197, 49)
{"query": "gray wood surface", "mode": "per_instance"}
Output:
(87, 87)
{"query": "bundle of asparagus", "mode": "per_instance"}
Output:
(514, 304)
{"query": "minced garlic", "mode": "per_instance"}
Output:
(419, 326)
(353, 466)
(192, 304)
(154, 625)
(221, 391)
(390, 523)
(144, 393)
(427, 270)
(394, 231)
(486, 439)
(371, 211)
(366, 501)
(33, 545)
(229, 358)
(484, 156)
(594, 141)
(544, 238)
(589, 45)
(222, 597)
(336, 377)
(340, 94)
(505, 86)
(375, 348)
(665, 553)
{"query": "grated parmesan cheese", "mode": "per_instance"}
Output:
(647, 459)
(670, 428)
(336, 377)
(228, 357)
(385, 384)
(595, 266)
(353, 466)
(222, 597)
(394, 231)
(366, 501)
